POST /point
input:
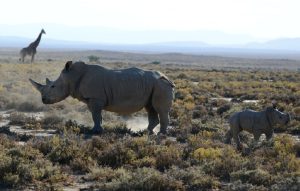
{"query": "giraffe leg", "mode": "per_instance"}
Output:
(32, 58)
(22, 57)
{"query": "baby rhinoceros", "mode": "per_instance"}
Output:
(122, 91)
(256, 123)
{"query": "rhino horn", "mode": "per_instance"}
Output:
(36, 85)
(48, 81)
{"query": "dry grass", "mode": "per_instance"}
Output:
(191, 157)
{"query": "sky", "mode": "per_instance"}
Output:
(255, 19)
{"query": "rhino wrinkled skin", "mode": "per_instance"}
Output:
(122, 91)
(256, 123)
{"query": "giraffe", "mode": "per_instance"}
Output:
(31, 49)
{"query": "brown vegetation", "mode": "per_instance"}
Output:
(192, 156)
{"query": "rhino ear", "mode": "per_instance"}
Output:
(68, 65)
(274, 104)
(48, 81)
(36, 85)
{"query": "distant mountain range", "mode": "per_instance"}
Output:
(99, 38)
(292, 44)
(278, 45)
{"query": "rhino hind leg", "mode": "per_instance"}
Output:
(162, 101)
(152, 118)
(163, 113)
(164, 121)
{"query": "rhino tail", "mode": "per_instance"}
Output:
(167, 79)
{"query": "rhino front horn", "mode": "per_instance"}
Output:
(36, 85)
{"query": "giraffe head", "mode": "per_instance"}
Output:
(43, 31)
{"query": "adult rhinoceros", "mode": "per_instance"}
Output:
(256, 123)
(122, 91)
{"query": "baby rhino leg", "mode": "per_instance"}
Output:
(256, 138)
(228, 137)
(235, 129)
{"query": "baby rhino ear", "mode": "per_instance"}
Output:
(68, 65)
(274, 104)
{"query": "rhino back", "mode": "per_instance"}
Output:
(123, 91)
(252, 120)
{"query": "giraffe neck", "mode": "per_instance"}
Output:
(37, 41)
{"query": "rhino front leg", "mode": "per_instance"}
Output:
(256, 137)
(97, 118)
(228, 137)
(236, 138)
(269, 135)
(95, 106)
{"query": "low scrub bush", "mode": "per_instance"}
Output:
(68, 150)
(229, 161)
(255, 177)
(147, 179)
(116, 155)
(167, 156)
(207, 154)
(194, 178)
(21, 166)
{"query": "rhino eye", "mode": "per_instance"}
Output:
(52, 86)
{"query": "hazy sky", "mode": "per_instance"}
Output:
(261, 19)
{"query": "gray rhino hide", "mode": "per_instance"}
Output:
(122, 91)
(255, 122)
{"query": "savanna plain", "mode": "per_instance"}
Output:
(48, 147)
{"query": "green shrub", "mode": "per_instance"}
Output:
(167, 156)
(20, 166)
(145, 162)
(116, 155)
(17, 119)
(229, 161)
(155, 62)
(207, 154)
(72, 127)
(146, 179)
(30, 107)
(256, 177)
(239, 186)
(52, 122)
(93, 58)
(64, 150)
(194, 178)
(104, 174)
(68, 150)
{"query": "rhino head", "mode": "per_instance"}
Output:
(277, 117)
(54, 91)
